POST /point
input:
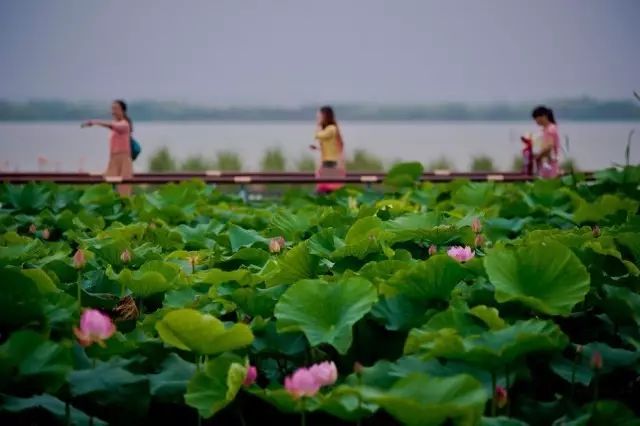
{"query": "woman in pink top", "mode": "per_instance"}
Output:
(548, 159)
(120, 162)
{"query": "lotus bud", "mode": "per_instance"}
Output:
(358, 368)
(353, 203)
(251, 377)
(579, 349)
(46, 234)
(476, 226)
(125, 257)
(596, 361)
(595, 230)
(479, 240)
(433, 250)
(501, 396)
(276, 244)
(32, 228)
(79, 260)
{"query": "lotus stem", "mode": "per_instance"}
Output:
(67, 413)
(494, 402)
(303, 414)
(577, 358)
(596, 386)
(79, 290)
(508, 387)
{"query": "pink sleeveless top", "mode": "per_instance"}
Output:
(119, 137)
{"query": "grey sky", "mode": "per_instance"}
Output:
(302, 51)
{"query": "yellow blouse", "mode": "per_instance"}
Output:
(328, 138)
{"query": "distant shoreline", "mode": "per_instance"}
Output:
(306, 121)
(579, 109)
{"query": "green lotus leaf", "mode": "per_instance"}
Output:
(171, 382)
(284, 401)
(422, 400)
(52, 405)
(581, 371)
(29, 198)
(501, 421)
(110, 384)
(295, 265)
(198, 237)
(292, 226)
(16, 250)
(603, 208)
(325, 312)
(496, 348)
(346, 403)
(363, 238)
(203, 334)
(546, 277)
(474, 194)
(404, 174)
(413, 226)
(216, 385)
(621, 305)
(399, 313)
(433, 279)
(240, 237)
(631, 241)
(24, 293)
(324, 243)
(36, 363)
(490, 316)
(601, 413)
(215, 277)
(153, 277)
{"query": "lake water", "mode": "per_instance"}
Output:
(67, 147)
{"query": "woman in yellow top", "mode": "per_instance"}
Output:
(331, 149)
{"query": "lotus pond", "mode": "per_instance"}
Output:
(197, 308)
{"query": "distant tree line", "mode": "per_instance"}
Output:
(585, 109)
(274, 160)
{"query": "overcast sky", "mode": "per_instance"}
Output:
(300, 51)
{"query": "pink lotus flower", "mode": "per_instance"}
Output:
(32, 228)
(79, 259)
(301, 383)
(501, 396)
(252, 375)
(476, 226)
(125, 257)
(433, 250)
(325, 373)
(461, 254)
(46, 234)
(276, 244)
(95, 327)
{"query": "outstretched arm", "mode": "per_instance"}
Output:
(117, 126)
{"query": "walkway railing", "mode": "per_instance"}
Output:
(243, 178)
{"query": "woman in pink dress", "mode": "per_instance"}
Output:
(548, 159)
(120, 162)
